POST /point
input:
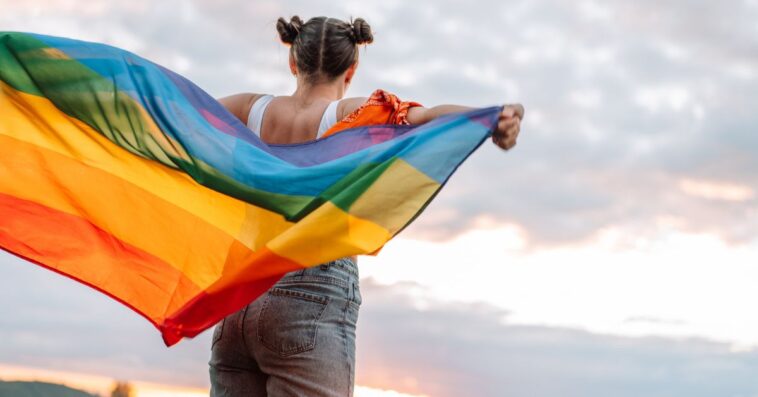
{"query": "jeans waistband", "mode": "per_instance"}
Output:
(344, 268)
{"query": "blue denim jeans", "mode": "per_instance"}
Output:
(298, 339)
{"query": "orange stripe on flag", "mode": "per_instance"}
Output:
(129, 213)
(78, 249)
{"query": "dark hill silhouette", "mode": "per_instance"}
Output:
(39, 389)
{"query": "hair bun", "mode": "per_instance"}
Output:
(362, 32)
(288, 31)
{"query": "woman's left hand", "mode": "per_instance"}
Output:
(508, 126)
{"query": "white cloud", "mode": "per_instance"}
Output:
(662, 98)
(586, 98)
(596, 10)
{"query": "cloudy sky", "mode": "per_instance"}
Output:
(613, 252)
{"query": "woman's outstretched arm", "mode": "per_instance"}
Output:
(508, 126)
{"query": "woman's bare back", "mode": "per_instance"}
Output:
(289, 120)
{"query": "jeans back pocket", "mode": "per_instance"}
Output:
(288, 321)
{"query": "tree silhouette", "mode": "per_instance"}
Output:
(122, 389)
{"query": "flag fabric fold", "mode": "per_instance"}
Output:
(125, 176)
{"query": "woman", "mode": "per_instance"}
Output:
(299, 338)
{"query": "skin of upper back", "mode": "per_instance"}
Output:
(288, 120)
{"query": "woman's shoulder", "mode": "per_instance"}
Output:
(240, 104)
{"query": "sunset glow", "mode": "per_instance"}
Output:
(102, 385)
(717, 190)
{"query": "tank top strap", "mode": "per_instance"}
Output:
(255, 117)
(328, 119)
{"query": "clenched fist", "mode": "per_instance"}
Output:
(508, 126)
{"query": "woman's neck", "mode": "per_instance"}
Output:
(307, 93)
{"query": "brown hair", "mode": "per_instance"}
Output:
(324, 47)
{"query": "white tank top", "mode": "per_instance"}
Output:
(255, 117)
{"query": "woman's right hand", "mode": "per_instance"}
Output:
(508, 126)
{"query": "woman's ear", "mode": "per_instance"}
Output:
(293, 64)
(350, 72)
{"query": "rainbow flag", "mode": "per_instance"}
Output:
(125, 176)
